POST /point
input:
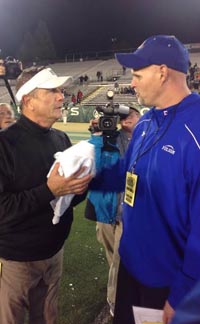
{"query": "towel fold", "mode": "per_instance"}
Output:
(71, 160)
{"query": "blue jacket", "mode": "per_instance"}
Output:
(104, 202)
(160, 244)
(104, 206)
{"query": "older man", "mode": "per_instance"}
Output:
(6, 115)
(30, 245)
(160, 244)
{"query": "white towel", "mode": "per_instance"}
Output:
(78, 155)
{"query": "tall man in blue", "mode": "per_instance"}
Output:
(160, 244)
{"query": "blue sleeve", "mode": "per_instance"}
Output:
(189, 309)
(113, 177)
(189, 274)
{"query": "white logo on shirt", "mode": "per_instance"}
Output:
(143, 133)
(169, 149)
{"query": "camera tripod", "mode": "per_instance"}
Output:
(7, 84)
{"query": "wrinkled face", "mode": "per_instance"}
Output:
(45, 105)
(6, 116)
(147, 85)
(130, 121)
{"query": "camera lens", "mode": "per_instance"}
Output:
(107, 123)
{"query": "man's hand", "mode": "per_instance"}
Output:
(168, 313)
(61, 186)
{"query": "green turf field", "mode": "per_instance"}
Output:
(75, 131)
(83, 286)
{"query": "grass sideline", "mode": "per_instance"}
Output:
(85, 270)
(75, 131)
(72, 127)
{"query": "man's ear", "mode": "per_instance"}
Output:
(164, 72)
(26, 101)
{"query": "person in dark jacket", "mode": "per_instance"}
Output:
(31, 246)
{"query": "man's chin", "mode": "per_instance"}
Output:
(58, 114)
(140, 101)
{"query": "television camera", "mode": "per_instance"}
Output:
(109, 116)
(10, 69)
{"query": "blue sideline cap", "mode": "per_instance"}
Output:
(159, 49)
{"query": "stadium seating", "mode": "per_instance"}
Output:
(94, 92)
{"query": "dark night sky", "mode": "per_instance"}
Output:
(88, 25)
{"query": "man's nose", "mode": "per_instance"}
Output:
(133, 83)
(60, 95)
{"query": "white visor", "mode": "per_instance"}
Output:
(45, 79)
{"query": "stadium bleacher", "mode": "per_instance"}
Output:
(94, 91)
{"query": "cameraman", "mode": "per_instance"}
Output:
(106, 207)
